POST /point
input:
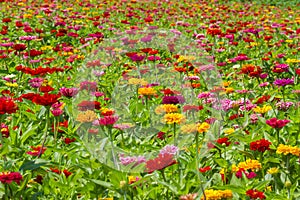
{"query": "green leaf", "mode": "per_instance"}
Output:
(30, 130)
(103, 183)
(221, 162)
(31, 165)
(171, 187)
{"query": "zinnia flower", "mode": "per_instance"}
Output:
(160, 162)
(106, 121)
(146, 91)
(46, 100)
(136, 160)
(9, 177)
(204, 169)
(7, 106)
(217, 194)
(173, 99)
(169, 149)
(87, 116)
(166, 108)
(277, 123)
(68, 92)
(224, 141)
(36, 82)
(288, 149)
(255, 194)
(36, 151)
(283, 82)
(88, 105)
(203, 127)
(173, 118)
(260, 145)
(188, 197)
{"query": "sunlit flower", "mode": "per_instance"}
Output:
(137, 81)
(288, 149)
(250, 165)
(87, 116)
(173, 118)
(36, 151)
(9, 177)
(7, 106)
(166, 108)
(147, 91)
(217, 194)
(106, 121)
(263, 109)
(260, 145)
(255, 194)
(189, 128)
(273, 170)
(203, 127)
(229, 131)
(277, 123)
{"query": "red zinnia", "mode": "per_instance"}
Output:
(36, 151)
(254, 194)
(160, 162)
(88, 105)
(69, 140)
(7, 106)
(260, 145)
(224, 140)
(204, 169)
(47, 99)
(46, 89)
(65, 172)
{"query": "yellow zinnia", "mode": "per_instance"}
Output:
(166, 108)
(146, 91)
(262, 110)
(173, 118)
(203, 127)
(87, 116)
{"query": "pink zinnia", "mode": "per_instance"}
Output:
(277, 123)
(68, 92)
(106, 121)
(36, 82)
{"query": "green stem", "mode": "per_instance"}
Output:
(283, 97)
(55, 130)
(278, 137)
(112, 148)
(46, 132)
(174, 130)
(163, 175)
(261, 162)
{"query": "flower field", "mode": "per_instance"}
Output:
(146, 100)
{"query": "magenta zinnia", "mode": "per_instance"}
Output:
(9, 177)
(106, 121)
(277, 123)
